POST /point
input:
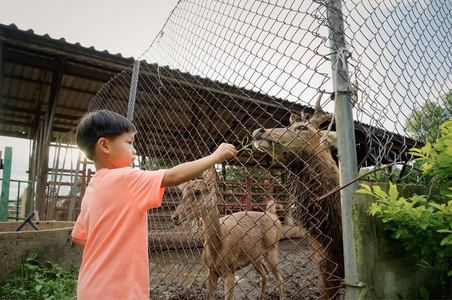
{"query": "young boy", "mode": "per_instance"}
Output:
(112, 225)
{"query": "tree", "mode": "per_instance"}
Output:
(424, 122)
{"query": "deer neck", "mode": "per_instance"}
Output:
(314, 171)
(211, 223)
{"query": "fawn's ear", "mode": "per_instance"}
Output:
(210, 176)
(182, 186)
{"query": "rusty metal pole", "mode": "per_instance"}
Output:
(346, 143)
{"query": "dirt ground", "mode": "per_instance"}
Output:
(181, 275)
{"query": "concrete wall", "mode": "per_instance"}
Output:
(52, 243)
(386, 270)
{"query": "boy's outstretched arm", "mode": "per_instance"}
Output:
(189, 170)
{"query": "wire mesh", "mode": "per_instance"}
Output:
(249, 73)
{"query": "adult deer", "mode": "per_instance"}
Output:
(306, 151)
(234, 241)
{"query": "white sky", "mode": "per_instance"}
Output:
(126, 27)
(130, 27)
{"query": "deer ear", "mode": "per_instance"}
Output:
(304, 116)
(210, 176)
(294, 118)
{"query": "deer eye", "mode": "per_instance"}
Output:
(197, 192)
(302, 127)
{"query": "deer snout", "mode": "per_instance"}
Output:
(260, 143)
(258, 133)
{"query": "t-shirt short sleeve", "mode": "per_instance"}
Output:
(79, 231)
(146, 188)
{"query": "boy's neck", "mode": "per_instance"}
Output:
(101, 165)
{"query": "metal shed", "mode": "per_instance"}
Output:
(46, 86)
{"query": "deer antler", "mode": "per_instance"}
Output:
(319, 115)
(318, 108)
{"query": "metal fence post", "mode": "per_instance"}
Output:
(345, 141)
(5, 184)
(133, 90)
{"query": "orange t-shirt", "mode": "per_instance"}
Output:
(113, 221)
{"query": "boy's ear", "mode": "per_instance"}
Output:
(102, 144)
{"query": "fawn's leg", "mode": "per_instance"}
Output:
(229, 284)
(262, 269)
(273, 261)
(212, 280)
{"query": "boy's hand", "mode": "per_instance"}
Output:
(189, 170)
(223, 152)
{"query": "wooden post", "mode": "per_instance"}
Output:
(46, 138)
(74, 189)
(52, 186)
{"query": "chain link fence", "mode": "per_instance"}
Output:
(259, 75)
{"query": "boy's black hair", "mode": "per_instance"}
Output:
(98, 124)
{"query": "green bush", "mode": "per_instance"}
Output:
(423, 223)
(37, 282)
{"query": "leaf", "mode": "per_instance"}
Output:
(365, 191)
(374, 209)
(424, 293)
(410, 246)
(401, 201)
(426, 167)
(423, 225)
(427, 149)
(393, 192)
(38, 287)
(426, 248)
(438, 206)
(415, 152)
(444, 127)
(379, 193)
(400, 231)
(447, 240)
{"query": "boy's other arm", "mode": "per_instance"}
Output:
(189, 170)
(79, 242)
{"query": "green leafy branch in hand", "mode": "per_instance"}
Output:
(247, 146)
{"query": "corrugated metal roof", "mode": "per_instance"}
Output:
(28, 63)
(63, 41)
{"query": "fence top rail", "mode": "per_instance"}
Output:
(17, 180)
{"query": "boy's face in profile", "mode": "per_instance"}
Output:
(121, 150)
